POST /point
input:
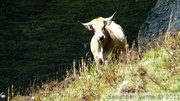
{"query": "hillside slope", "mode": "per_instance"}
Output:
(154, 71)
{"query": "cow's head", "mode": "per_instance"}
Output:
(98, 26)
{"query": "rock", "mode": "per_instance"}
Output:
(165, 16)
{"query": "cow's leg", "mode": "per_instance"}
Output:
(98, 65)
(98, 61)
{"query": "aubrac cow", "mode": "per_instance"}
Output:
(107, 40)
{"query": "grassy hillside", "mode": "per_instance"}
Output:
(40, 38)
(153, 70)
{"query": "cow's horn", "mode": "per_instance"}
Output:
(86, 24)
(108, 19)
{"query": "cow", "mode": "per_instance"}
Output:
(107, 40)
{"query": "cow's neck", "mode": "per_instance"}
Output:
(103, 44)
(109, 41)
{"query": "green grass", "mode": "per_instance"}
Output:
(154, 70)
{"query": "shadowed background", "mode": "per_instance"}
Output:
(40, 38)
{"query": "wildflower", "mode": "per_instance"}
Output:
(80, 77)
(32, 98)
(61, 87)
(57, 94)
(123, 83)
(89, 76)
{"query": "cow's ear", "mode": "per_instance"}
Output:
(89, 27)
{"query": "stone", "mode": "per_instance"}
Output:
(165, 16)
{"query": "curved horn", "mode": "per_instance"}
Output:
(107, 19)
(88, 25)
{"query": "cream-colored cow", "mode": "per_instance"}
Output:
(107, 40)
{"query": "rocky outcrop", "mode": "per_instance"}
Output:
(164, 16)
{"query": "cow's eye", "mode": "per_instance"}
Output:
(104, 27)
(105, 23)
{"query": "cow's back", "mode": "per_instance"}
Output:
(115, 30)
(117, 34)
